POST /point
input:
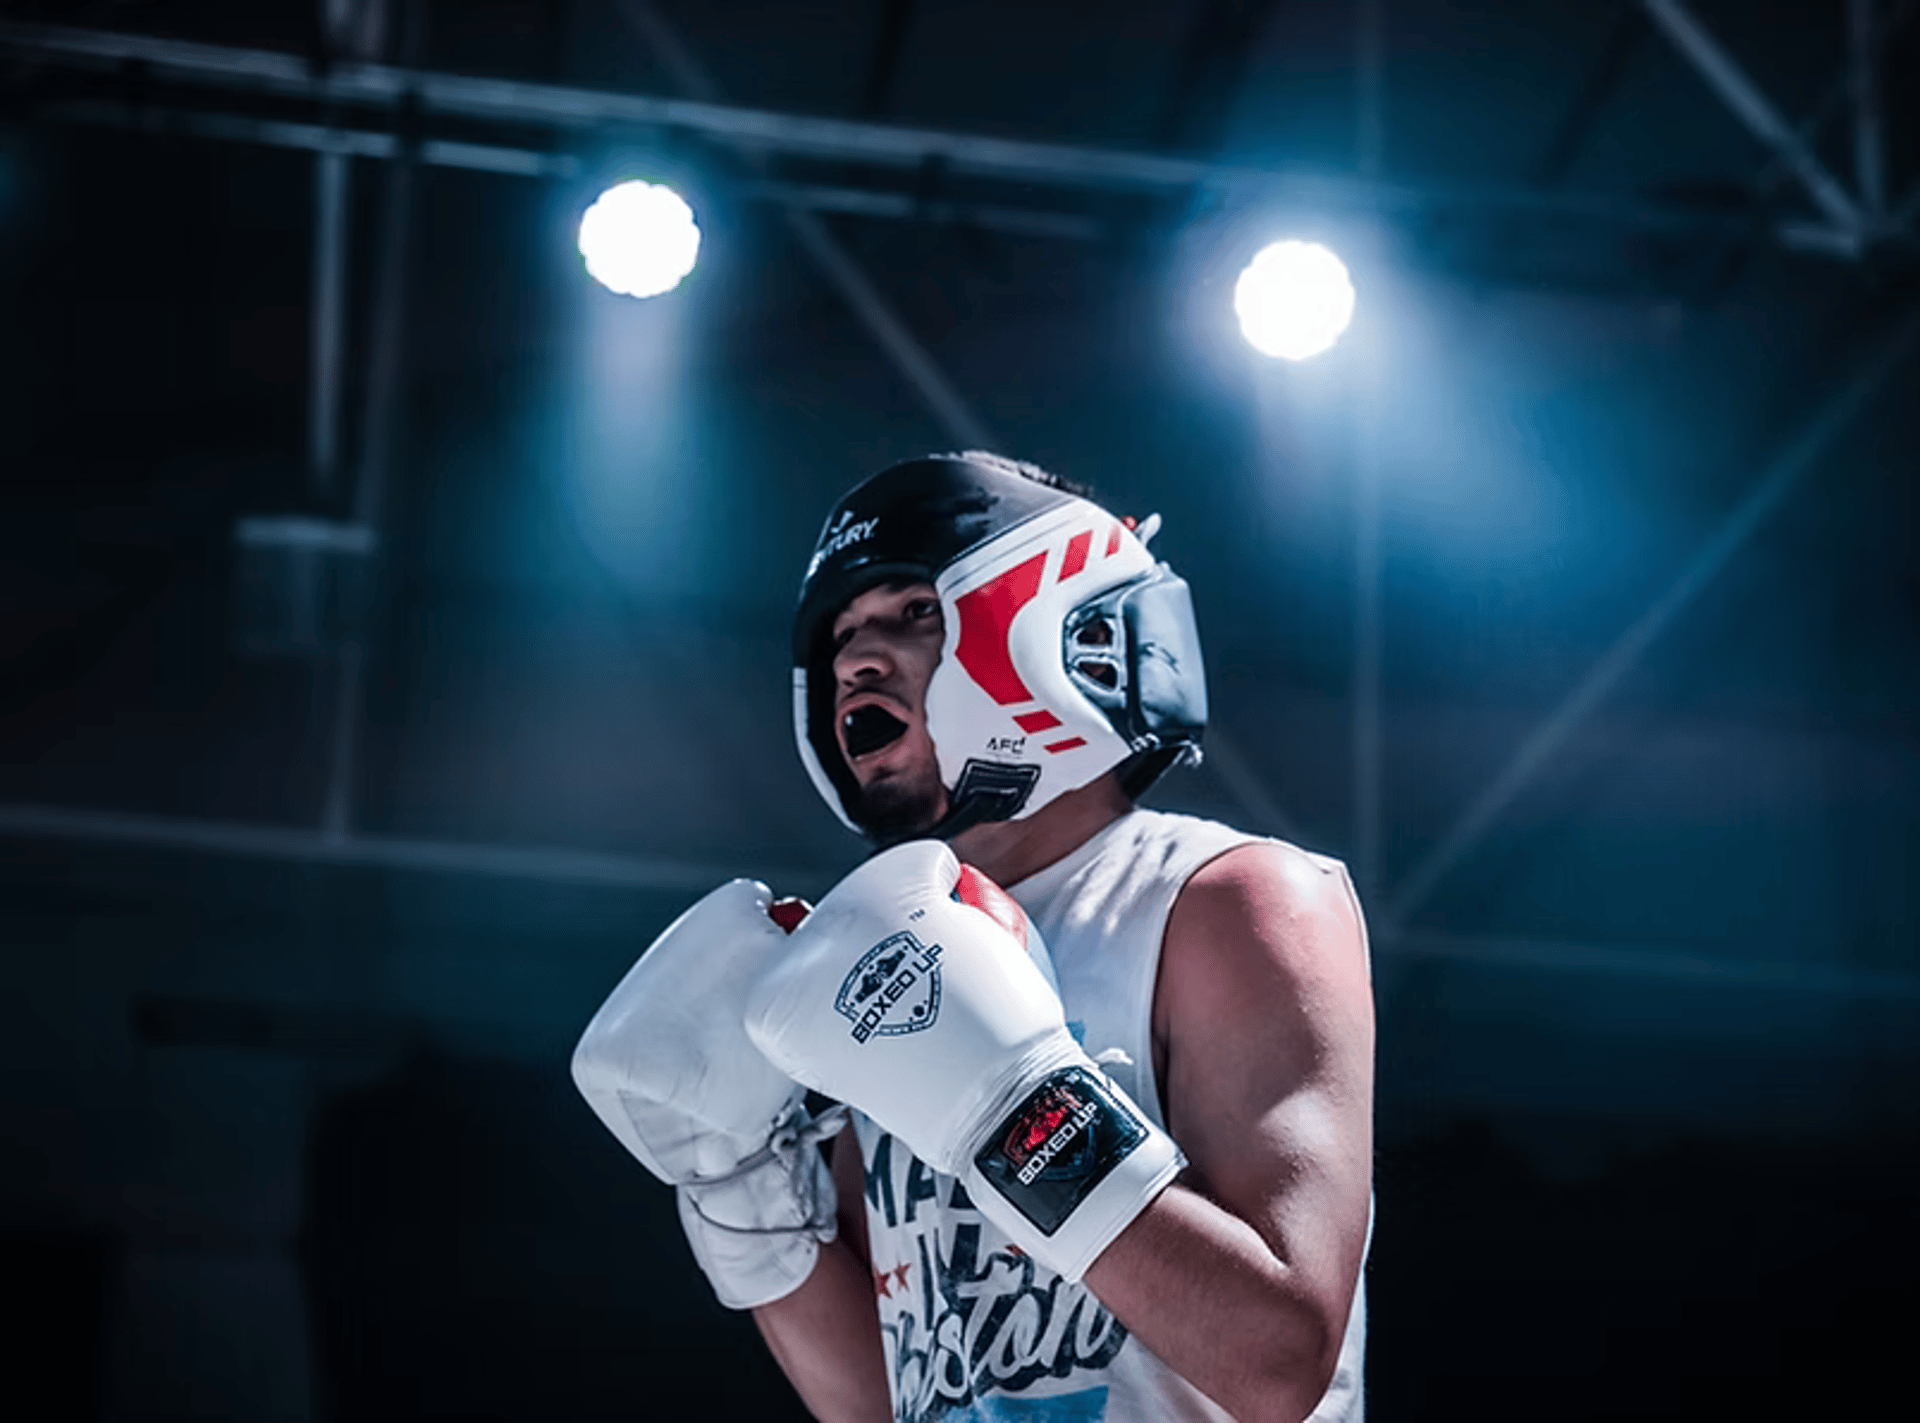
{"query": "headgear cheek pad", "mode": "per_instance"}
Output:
(1068, 650)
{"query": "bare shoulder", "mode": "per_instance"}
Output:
(1271, 869)
(1264, 995)
(1265, 908)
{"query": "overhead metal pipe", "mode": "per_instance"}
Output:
(886, 145)
(1247, 787)
(539, 163)
(1367, 635)
(272, 842)
(1675, 963)
(1869, 160)
(1740, 94)
(896, 340)
(1370, 150)
(379, 444)
(590, 870)
(327, 353)
(1370, 87)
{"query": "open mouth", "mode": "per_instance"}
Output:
(867, 728)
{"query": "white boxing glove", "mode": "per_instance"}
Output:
(666, 1065)
(904, 996)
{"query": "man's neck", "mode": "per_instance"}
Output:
(1007, 851)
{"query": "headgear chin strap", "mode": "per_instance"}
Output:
(1069, 650)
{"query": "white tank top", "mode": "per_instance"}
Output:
(970, 1325)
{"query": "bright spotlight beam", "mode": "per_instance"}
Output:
(639, 239)
(1294, 300)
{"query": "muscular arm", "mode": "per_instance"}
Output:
(1241, 1275)
(826, 1334)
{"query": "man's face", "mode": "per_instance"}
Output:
(886, 643)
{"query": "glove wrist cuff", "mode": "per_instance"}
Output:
(1069, 1167)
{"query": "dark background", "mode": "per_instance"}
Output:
(314, 863)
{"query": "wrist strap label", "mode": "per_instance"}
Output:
(1064, 1139)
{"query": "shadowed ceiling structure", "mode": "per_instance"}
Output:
(395, 634)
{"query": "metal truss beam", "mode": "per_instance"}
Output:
(1675, 963)
(355, 27)
(1741, 95)
(1776, 481)
(1869, 160)
(870, 308)
(538, 163)
(588, 870)
(1370, 140)
(385, 852)
(1846, 92)
(1210, 72)
(1370, 86)
(568, 109)
(327, 347)
(942, 398)
(896, 21)
(1242, 781)
(1622, 44)
(1368, 801)
(1908, 212)
(380, 418)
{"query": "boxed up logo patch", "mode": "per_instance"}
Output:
(893, 989)
(1062, 1141)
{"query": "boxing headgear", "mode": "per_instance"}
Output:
(1069, 650)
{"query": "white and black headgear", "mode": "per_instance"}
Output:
(1069, 650)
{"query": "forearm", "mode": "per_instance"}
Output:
(1199, 1288)
(826, 1338)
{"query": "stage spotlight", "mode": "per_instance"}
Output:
(1293, 300)
(639, 239)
